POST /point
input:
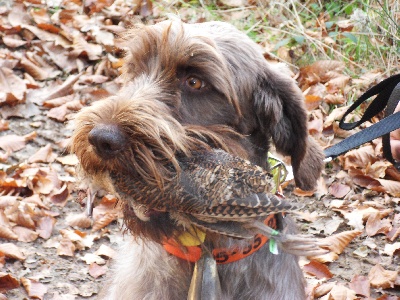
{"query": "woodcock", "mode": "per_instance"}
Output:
(217, 193)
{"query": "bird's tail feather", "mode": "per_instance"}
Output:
(297, 244)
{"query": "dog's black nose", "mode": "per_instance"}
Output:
(107, 140)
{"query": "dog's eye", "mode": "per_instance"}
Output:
(195, 83)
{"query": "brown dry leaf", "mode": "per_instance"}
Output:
(360, 284)
(320, 71)
(335, 115)
(378, 169)
(60, 197)
(41, 34)
(81, 46)
(40, 15)
(37, 72)
(312, 102)
(11, 251)
(45, 226)
(104, 250)
(315, 126)
(90, 258)
(59, 113)
(103, 221)
(390, 249)
(35, 199)
(340, 292)
(334, 99)
(381, 278)
(4, 125)
(7, 201)
(338, 242)
(5, 228)
(80, 220)
(357, 216)
(66, 247)
(70, 160)
(8, 282)
(44, 154)
(375, 225)
(367, 182)
(96, 271)
(323, 289)
(13, 142)
(34, 288)
(390, 186)
(7, 233)
(25, 235)
(58, 101)
(337, 84)
(13, 41)
(97, 6)
(339, 190)
(74, 105)
(40, 183)
(12, 88)
(24, 216)
(60, 91)
(318, 270)
(359, 158)
(329, 257)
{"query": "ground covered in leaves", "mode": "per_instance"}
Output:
(58, 57)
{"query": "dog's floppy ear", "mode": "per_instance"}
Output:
(279, 106)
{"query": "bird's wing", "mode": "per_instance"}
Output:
(228, 188)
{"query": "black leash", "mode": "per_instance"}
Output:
(388, 95)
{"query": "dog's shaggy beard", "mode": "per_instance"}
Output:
(153, 143)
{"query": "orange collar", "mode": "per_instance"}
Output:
(221, 255)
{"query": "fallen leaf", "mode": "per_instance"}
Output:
(66, 248)
(45, 226)
(339, 190)
(317, 269)
(34, 288)
(375, 225)
(13, 142)
(381, 278)
(390, 249)
(8, 282)
(96, 271)
(321, 71)
(44, 154)
(338, 242)
(323, 289)
(328, 257)
(60, 197)
(12, 87)
(11, 251)
(104, 250)
(25, 235)
(90, 258)
(103, 221)
(80, 220)
(69, 159)
(340, 292)
(360, 284)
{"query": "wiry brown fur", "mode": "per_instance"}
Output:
(245, 104)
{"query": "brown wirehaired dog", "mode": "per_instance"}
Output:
(189, 87)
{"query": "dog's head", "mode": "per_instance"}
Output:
(190, 86)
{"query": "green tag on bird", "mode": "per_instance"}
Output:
(273, 247)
